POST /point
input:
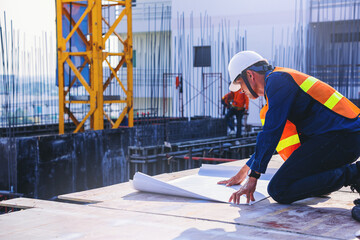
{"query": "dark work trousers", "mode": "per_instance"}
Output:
(239, 115)
(321, 165)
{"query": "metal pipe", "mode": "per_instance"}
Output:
(211, 159)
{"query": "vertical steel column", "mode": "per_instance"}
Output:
(128, 49)
(61, 47)
(97, 99)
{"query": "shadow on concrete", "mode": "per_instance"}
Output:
(157, 197)
(280, 221)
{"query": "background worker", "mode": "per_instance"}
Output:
(314, 127)
(238, 105)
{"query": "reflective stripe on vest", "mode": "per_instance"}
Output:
(331, 101)
(308, 83)
(323, 93)
(287, 142)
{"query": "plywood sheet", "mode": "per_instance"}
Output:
(117, 191)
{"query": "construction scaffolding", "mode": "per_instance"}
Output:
(85, 21)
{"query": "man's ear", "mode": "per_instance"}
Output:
(250, 75)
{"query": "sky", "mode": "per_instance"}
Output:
(30, 17)
(35, 17)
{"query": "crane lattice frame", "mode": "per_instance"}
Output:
(94, 57)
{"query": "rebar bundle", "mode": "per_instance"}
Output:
(28, 95)
(327, 47)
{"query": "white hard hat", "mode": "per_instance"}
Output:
(238, 63)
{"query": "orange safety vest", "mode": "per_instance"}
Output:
(239, 100)
(319, 91)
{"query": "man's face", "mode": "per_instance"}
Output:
(244, 88)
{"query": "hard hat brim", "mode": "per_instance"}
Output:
(234, 87)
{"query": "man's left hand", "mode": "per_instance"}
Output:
(248, 189)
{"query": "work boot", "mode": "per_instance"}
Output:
(355, 186)
(355, 213)
(231, 132)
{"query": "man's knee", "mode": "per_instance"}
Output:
(279, 195)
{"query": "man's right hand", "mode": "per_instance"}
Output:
(248, 189)
(238, 178)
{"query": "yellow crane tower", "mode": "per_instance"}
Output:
(94, 58)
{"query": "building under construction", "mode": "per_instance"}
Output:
(128, 86)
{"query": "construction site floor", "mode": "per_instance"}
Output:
(120, 212)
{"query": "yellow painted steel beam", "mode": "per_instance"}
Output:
(78, 30)
(107, 82)
(70, 1)
(66, 92)
(76, 3)
(87, 10)
(109, 119)
(73, 118)
(78, 102)
(79, 76)
(114, 101)
(117, 21)
(83, 54)
(119, 120)
(80, 125)
(115, 75)
(116, 34)
(120, 54)
(117, 1)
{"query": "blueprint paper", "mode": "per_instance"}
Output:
(202, 185)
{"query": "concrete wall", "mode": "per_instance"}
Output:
(46, 166)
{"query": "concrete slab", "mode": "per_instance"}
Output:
(121, 212)
(66, 221)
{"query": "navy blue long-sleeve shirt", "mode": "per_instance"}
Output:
(287, 101)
